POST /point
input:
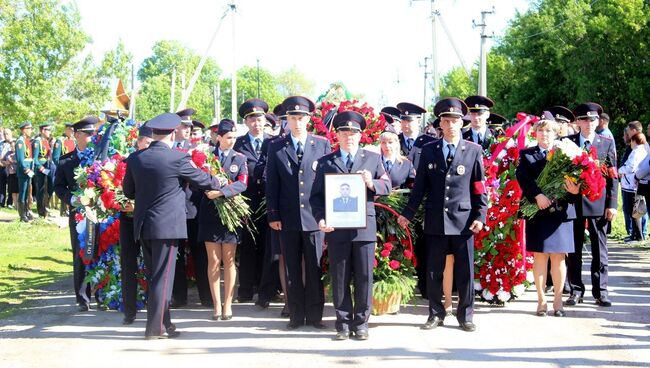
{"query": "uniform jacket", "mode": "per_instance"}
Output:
(531, 164)
(234, 165)
(402, 174)
(289, 183)
(487, 139)
(154, 178)
(64, 182)
(41, 150)
(454, 197)
(340, 205)
(24, 157)
(333, 163)
(606, 150)
(414, 153)
(255, 190)
(57, 150)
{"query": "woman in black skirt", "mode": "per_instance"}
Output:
(549, 234)
(220, 243)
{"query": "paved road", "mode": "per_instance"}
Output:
(53, 334)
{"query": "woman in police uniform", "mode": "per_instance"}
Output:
(220, 243)
(399, 168)
(549, 234)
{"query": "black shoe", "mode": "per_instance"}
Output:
(293, 325)
(128, 320)
(84, 307)
(342, 335)
(603, 301)
(244, 299)
(361, 334)
(171, 328)
(262, 304)
(101, 307)
(432, 323)
(167, 335)
(177, 304)
(285, 312)
(318, 325)
(573, 299)
(468, 326)
(559, 313)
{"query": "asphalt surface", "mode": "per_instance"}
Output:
(51, 333)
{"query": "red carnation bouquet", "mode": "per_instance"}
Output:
(567, 160)
(375, 123)
(234, 212)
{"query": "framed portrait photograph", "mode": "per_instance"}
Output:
(345, 201)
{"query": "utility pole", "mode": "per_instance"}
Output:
(216, 95)
(434, 52)
(258, 78)
(426, 75)
(173, 91)
(233, 80)
(482, 77)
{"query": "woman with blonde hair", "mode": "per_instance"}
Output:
(549, 234)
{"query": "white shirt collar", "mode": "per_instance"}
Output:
(295, 141)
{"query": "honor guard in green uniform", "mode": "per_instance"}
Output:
(25, 172)
(43, 167)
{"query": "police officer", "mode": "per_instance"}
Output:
(130, 249)
(495, 124)
(451, 176)
(251, 249)
(479, 111)
(351, 251)
(64, 186)
(412, 142)
(184, 130)
(598, 214)
(154, 178)
(394, 114)
(290, 173)
(42, 166)
(25, 170)
(399, 168)
(62, 146)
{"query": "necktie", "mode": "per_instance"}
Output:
(388, 166)
(258, 145)
(479, 138)
(587, 145)
(409, 143)
(348, 163)
(450, 154)
(299, 151)
(544, 152)
(221, 158)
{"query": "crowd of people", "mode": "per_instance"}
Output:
(279, 164)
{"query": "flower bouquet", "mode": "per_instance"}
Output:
(567, 160)
(234, 212)
(321, 125)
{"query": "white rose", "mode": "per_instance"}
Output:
(503, 295)
(90, 193)
(477, 285)
(487, 295)
(518, 290)
(530, 277)
(109, 166)
(84, 200)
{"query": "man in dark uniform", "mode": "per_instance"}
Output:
(251, 248)
(130, 248)
(154, 178)
(64, 186)
(451, 176)
(479, 111)
(395, 121)
(598, 214)
(351, 251)
(24, 170)
(290, 174)
(411, 143)
(184, 129)
(345, 203)
(42, 167)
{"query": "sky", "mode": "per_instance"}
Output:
(376, 48)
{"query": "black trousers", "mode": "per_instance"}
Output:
(420, 249)
(81, 288)
(3, 187)
(306, 300)
(200, 258)
(597, 228)
(462, 247)
(129, 251)
(160, 263)
(270, 281)
(41, 187)
(348, 260)
(251, 259)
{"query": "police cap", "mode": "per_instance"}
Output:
(409, 111)
(298, 105)
(86, 125)
(450, 106)
(226, 126)
(588, 110)
(253, 107)
(478, 103)
(186, 116)
(164, 123)
(349, 121)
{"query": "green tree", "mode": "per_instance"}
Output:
(156, 73)
(292, 82)
(456, 83)
(247, 88)
(38, 41)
